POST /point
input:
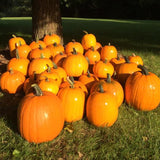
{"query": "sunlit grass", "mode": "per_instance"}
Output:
(135, 134)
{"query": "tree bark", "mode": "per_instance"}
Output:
(46, 18)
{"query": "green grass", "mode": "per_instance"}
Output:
(135, 135)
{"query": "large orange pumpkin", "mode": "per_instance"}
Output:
(101, 108)
(40, 116)
(51, 39)
(142, 90)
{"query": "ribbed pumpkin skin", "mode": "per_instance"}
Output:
(101, 109)
(12, 81)
(142, 91)
(75, 65)
(73, 100)
(40, 118)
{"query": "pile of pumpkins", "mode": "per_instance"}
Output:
(65, 83)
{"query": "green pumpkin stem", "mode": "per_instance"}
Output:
(40, 47)
(144, 70)
(42, 55)
(74, 51)
(105, 61)
(85, 32)
(101, 90)
(55, 44)
(126, 59)
(88, 73)
(92, 48)
(118, 58)
(70, 81)
(17, 54)
(38, 91)
(11, 71)
(54, 65)
(14, 36)
(108, 80)
(48, 69)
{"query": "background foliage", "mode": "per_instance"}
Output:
(118, 9)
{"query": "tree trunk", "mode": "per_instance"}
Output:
(46, 18)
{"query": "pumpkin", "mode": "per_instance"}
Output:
(93, 55)
(35, 44)
(142, 90)
(55, 49)
(100, 69)
(124, 70)
(76, 45)
(38, 52)
(136, 59)
(50, 73)
(108, 52)
(49, 84)
(19, 64)
(73, 100)
(12, 81)
(39, 65)
(14, 42)
(59, 58)
(75, 64)
(112, 86)
(101, 108)
(40, 116)
(51, 39)
(88, 40)
(88, 79)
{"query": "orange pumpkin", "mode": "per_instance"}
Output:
(142, 90)
(37, 43)
(75, 64)
(100, 69)
(73, 100)
(40, 116)
(124, 70)
(51, 39)
(101, 108)
(14, 42)
(39, 65)
(93, 55)
(76, 45)
(12, 81)
(112, 86)
(136, 59)
(39, 52)
(19, 64)
(49, 84)
(88, 40)
(108, 52)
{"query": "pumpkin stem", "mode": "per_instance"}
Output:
(101, 90)
(55, 44)
(40, 47)
(38, 91)
(74, 51)
(42, 55)
(73, 40)
(70, 81)
(126, 59)
(118, 58)
(109, 44)
(144, 70)
(61, 53)
(105, 61)
(54, 65)
(17, 54)
(14, 36)
(11, 71)
(85, 32)
(88, 73)
(133, 54)
(87, 59)
(92, 48)
(108, 80)
(48, 68)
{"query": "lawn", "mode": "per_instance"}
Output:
(135, 135)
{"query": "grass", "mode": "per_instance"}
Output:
(135, 135)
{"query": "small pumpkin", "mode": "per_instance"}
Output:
(19, 64)
(12, 81)
(75, 64)
(101, 108)
(100, 69)
(73, 100)
(14, 42)
(142, 90)
(40, 116)
(35, 44)
(108, 52)
(76, 45)
(136, 59)
(88, 40)
(59, 58)
(51, 39)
